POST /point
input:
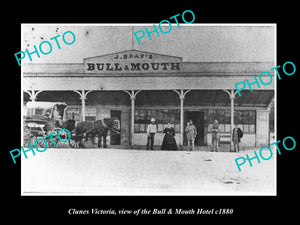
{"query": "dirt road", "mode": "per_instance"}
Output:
(139, 172)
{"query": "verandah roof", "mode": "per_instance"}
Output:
(257, 98)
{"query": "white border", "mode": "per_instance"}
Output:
(125, 193)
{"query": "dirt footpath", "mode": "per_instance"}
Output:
(139, 172)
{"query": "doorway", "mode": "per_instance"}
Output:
(115, 138)
(198, 120)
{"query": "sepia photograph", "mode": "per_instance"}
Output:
(148, 109)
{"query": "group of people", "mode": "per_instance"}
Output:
(169, 142)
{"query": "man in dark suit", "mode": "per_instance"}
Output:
(237, 134)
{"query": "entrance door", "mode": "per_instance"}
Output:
(198, 120)
(115, 138)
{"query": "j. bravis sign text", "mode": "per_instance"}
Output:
(132, 61)
(132, 66)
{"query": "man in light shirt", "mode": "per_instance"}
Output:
(191, 133)
(57, 116)
(151, 131)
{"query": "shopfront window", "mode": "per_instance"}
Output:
(245, 118)
(142, 118)
(75, 112)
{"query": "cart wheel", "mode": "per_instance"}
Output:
(73, 143)
(41, 143)
(49, 140)
(29, 139)
(50, 143)
(64, 135)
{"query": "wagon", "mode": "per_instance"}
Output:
(40, 121)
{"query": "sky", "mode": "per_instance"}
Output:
(193, 42)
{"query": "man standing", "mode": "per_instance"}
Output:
(237, 134)
(191, 133)
(215, 135)
(151, 131)
(57, 116)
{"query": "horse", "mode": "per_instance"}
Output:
(96, 128)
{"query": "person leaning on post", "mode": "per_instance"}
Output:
(151, 131)
(191, 133)
(237, 134)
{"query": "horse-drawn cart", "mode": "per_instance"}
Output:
(44, 118)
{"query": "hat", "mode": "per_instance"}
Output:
(152, 120)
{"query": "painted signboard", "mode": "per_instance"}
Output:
(132, 61)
